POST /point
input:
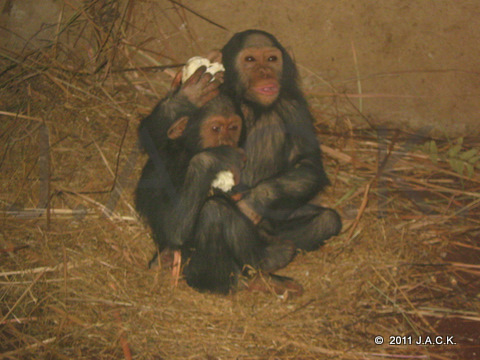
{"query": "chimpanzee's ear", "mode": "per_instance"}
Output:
(177, 128)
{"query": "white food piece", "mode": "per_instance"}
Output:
(224, 181)
(195, 62)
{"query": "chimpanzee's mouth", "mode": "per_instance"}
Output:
(269, 90)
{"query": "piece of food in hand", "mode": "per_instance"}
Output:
(224, 181)
(195, 62)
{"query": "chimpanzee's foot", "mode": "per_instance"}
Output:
(279, 253)
(163, 259)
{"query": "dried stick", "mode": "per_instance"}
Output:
(22, 296)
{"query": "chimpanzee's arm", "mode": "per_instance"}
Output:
(304, 176)
(279, 196)
(154, 128)
(202, 170)
(181, 101)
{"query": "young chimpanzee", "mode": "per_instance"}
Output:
(284, 169)
(174, 194)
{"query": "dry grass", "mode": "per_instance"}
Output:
(73, 255)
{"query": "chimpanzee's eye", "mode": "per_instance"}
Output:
(216, 128)
(272, 58)
(249, 58)
(233, 127)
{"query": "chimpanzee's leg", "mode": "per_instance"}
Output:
(225, 242)
(309, 226)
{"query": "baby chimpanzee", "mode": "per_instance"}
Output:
(217, 242)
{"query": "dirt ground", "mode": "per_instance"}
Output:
(394, 88)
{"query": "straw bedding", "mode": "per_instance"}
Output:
(73, 254)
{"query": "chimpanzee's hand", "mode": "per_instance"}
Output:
(236, 197)
(221, 158)
(199, 89)
(215, 56)
(249, 212)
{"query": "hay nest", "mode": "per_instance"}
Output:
(73, 254)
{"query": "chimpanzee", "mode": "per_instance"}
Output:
(284, 169)
(174, 194)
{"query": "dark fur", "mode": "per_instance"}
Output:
(216, 240)
(284, 168)
(283, 173)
